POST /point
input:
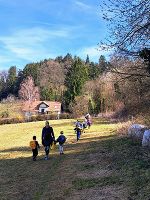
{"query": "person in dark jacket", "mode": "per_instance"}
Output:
(61, 139)
(47, 138)
(78, 131)
(34, 146)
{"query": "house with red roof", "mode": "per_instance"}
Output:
(41, 107)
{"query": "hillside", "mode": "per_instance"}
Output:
(102, 165)
(13, 109)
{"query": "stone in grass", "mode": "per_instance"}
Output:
(146, 138)
(136, 132)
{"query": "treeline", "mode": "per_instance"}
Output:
(59, 79)
(120, 85)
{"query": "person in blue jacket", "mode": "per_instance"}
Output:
(47, 138)
(61, 139)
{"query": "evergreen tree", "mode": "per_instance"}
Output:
(11, 79)
(59, 59)
(91, 106)
(87, 60)
(32, 69)
(47, 94)
(3, 85)
(18, 81)
(75, 79)
(68, 57)
(93, 71)
(97, 100)
(67, 63)
(102, 64)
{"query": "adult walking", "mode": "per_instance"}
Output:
(47, 138)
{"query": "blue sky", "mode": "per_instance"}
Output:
(32, 30)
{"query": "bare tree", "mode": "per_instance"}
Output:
(128, 68)
(129, 25)
(51, 74)
(28, 91)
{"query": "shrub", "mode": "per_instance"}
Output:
(65, 116)
(21, 119)
(12, 120)
(4, 114)
(33, 118)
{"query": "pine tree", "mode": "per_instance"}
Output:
(93, 70)
(102, 64)
(11, 79)
(75, 79)
(87, 60)
(32, 69)
(91, 106)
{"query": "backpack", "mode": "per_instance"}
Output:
(33, 144)
(62, 139)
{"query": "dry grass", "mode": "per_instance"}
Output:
(102, 165)
(13, 109)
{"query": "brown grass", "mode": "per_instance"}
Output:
(102, 165)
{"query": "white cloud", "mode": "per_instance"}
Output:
(82, 5)
(87, 8)
(29, 44)
(94, 52)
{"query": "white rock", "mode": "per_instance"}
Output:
(136, 131)
(146, 138)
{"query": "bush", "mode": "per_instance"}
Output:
(33, 118)
(21, 119)
(65, 116)
(43, 117)
(80, 106)
(4, 114)
(12, 120)
(52, 117)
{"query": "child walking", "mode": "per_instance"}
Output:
(34, 146)
(61, 139)
(78, 131)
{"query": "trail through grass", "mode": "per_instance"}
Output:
(102, 165)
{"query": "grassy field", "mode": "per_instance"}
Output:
(102, 165)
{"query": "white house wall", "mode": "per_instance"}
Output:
(45, 109)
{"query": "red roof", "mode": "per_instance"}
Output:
(53, 106)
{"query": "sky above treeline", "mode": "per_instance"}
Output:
(33, 30)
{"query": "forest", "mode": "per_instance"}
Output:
(118, 86)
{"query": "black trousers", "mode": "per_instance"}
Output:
(35, 153)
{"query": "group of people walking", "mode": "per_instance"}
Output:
(48, 138)
(81, 126)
